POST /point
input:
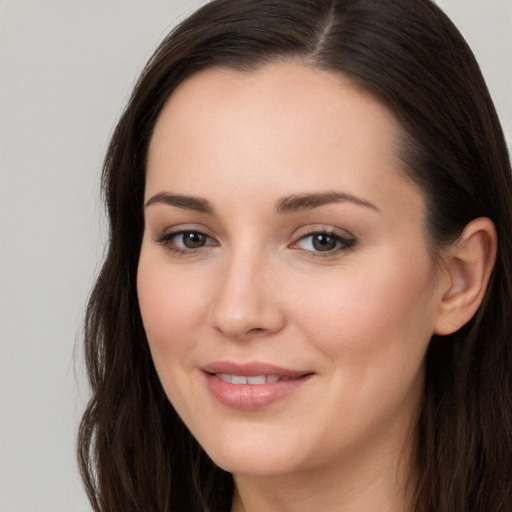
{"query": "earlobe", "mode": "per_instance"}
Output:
(468, 265)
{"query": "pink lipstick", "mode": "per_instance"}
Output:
(253, 385)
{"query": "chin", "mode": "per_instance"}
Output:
(255, 461)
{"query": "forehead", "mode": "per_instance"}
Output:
(283, 125)
(280, 95)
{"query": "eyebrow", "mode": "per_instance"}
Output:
(197, 204)
(290, 204)
(302, 202)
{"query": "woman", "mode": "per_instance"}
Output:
(304, 305)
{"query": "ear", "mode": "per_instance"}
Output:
(468, 264)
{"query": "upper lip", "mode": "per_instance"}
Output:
(251, 369)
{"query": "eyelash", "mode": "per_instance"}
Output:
(166, 239)
(342, 243)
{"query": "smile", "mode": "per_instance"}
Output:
(255, 379)
(252, 386)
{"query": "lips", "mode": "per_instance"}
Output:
(253, 379)
(252, 386)
(252, 369)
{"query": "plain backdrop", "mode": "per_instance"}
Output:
(66, 69)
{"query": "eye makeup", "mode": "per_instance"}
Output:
(324, 243)
(186, 242)
(315, 242)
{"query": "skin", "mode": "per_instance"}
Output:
(358, 318)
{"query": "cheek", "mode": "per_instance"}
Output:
(171, 304)
(378, 309)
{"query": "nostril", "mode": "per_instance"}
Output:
(255, 330)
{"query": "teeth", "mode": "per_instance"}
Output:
(260, 379)
(256, 379)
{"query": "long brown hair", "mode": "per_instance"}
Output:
(135, 453)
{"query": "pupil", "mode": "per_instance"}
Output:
(324, 242)
(193, 240)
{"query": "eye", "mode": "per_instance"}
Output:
(190, 239)
(324, 242)
(185, 241)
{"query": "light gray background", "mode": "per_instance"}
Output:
(66, 68)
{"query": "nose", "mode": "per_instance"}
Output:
(246, 304)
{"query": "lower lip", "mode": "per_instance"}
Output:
(249, 397)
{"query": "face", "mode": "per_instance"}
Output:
(285, 278)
